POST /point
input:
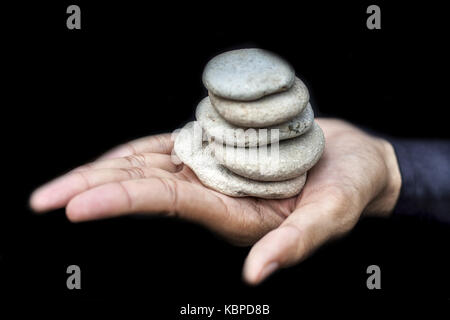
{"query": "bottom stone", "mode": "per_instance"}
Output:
(197, 155)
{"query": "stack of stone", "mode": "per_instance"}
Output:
(255, 133)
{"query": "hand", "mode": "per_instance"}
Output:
(357, 174)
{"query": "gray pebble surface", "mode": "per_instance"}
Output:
(197, 155)
(247, 74)
(267, 111)
(290, 159)
(224, 132)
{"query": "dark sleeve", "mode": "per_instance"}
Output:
(425, 170)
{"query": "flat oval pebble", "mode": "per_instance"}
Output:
(197, 156)
(267, 111)
(224, 132)
(247, 74)
(290, 159)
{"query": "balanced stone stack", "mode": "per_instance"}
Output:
(255, 133)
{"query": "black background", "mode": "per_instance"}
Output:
(135, 69)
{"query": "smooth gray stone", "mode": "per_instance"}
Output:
(290, 159)
(247, 74)
(267, 111)
(224, 132)
(197, 155)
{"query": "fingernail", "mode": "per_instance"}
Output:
(267, 270)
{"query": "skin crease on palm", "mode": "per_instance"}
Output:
(357, 175)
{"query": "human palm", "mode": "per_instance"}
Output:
(357, 173)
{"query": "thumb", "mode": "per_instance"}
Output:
(306, 229)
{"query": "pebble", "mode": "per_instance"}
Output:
(224, 132)
(267, 111)
(247, 74)
(197, 155)
(289, 159)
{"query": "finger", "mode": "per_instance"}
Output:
(161, 143)
(58, 193)
(306, 229)
(153, 195)
(152, 160)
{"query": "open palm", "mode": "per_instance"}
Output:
(355, 174)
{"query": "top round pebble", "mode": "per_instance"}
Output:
(247, 74)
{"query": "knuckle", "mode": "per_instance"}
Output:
(84, 178)
(136, 160)
(130, 201)
(134, 172)
(301, 242)
(162, 143)
(172, 190)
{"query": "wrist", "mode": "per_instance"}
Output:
(384, 203)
